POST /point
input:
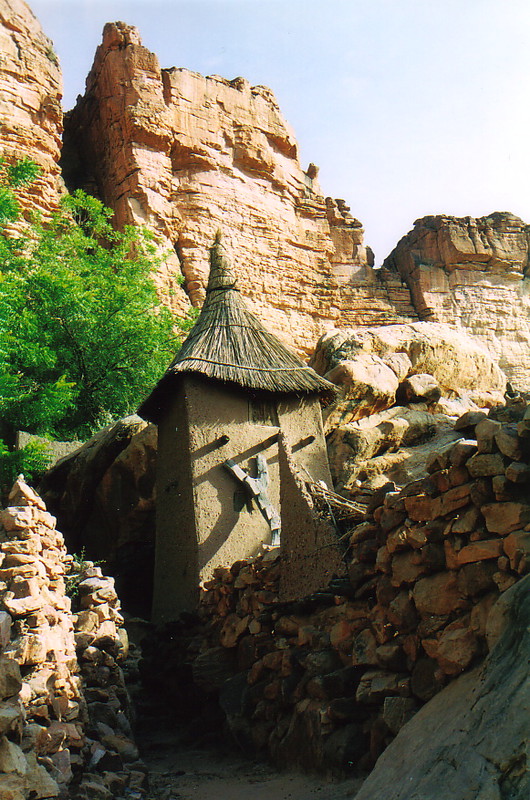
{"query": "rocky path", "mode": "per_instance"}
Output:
(184, 772)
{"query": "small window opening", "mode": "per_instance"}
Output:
(263, 412)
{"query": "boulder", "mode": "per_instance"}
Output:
(367, 385)
(418, 388)
(461, 366)
(459, 746)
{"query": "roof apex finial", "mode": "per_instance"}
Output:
(221, 275)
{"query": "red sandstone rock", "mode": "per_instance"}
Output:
(508, 442)
(486, 465)
(30, 102)
(422, 508)
(485, 432)
(186, 154)
(480, 551)
(518, 472)
(422, 387)
(454, 650)
(438, 594)
(517, 548)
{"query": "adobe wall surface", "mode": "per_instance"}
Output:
(227, 529)
(308, 545)
(205, 519)
(176, 565)
(309, 548)
(301, 426)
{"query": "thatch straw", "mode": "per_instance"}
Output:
(228, 343)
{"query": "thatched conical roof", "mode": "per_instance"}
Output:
(228, 343)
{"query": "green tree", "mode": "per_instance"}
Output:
(83, 336)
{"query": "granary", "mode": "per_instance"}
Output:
(238, 415)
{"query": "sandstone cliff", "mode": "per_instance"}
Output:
(474, 274)
(187, 154)
(30, 101)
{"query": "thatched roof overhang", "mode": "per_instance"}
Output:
(228, 343)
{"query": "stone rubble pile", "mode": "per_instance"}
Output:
(326, 682)
(64, 729)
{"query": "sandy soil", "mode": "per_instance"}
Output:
(189, 773)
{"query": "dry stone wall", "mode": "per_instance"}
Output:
(64, 708)
(327, 681)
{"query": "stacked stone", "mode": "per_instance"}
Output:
(102, 646)
(449, 544)
(240, 594)
(41, 712)
(327, 681)
(63, 702)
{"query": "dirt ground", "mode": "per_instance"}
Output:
(179, 772)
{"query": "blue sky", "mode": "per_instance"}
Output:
(409, 107)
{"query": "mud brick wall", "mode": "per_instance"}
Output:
(327, 681)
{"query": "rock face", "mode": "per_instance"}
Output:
(30, 101)
(473, 273)
(459, 745)
(186, 154)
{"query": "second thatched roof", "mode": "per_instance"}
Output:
(228, 343)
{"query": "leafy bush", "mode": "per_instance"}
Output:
(31, 461)
(83, 336)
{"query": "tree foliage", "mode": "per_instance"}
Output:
(83, 336)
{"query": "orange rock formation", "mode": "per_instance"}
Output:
(30, 102)
(185, 155)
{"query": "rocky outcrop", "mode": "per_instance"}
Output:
(462, 368)
(474, 274)
(185, 155)
(460, 745)
(401, 388)
(30, 102)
